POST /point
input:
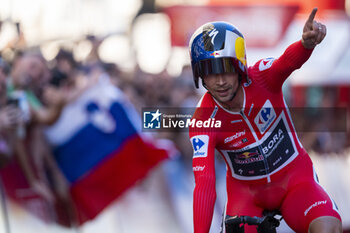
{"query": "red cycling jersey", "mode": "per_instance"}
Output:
(259, 145)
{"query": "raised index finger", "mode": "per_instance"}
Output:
(312, 15)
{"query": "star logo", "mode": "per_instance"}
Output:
(151, 120)
(156, 115)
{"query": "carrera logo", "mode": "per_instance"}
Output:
(266, 63)
(200, 145)
(265, 117)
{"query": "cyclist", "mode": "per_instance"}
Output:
(267, 167)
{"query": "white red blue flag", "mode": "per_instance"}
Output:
(100, 149)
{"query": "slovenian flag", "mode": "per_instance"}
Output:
(100, 149)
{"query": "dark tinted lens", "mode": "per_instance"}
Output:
(215, 66)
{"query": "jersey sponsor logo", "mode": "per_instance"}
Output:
(317, 203)
(235, 136)
(266, 63)
(200, 145)
(239, 143)
(248, 157)
(265, 117)
(277, 161)
(243, 162)
(273, 142)
(273, 151)
(278, 146)
(198, 168)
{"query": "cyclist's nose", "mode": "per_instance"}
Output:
(220, 80)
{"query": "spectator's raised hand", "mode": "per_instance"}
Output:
(314, 32)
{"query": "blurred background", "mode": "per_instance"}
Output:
(61, 56)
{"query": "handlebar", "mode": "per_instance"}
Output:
(265, 224)
(236, 220)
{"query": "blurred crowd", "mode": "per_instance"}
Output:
(33, 93)
(321, 118)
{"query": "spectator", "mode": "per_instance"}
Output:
(30, 80)
(30, 74)
(10, 118)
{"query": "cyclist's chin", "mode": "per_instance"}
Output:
(224, 99)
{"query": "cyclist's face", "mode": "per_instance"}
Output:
(222, 86)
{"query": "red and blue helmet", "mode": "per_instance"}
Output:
(216, 48)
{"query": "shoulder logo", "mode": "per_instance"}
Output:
(200, 145)
(266, 63)
(265, 117)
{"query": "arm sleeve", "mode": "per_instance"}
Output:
(204, 194)
(292, 59)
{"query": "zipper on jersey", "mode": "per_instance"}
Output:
(259, 145)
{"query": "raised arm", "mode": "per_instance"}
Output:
(273, 72)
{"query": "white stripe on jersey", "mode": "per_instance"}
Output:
(200, 101)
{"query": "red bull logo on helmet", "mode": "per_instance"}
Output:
(215, 54)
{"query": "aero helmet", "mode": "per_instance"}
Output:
(215, 48)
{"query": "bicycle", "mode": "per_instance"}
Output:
(266, 224)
